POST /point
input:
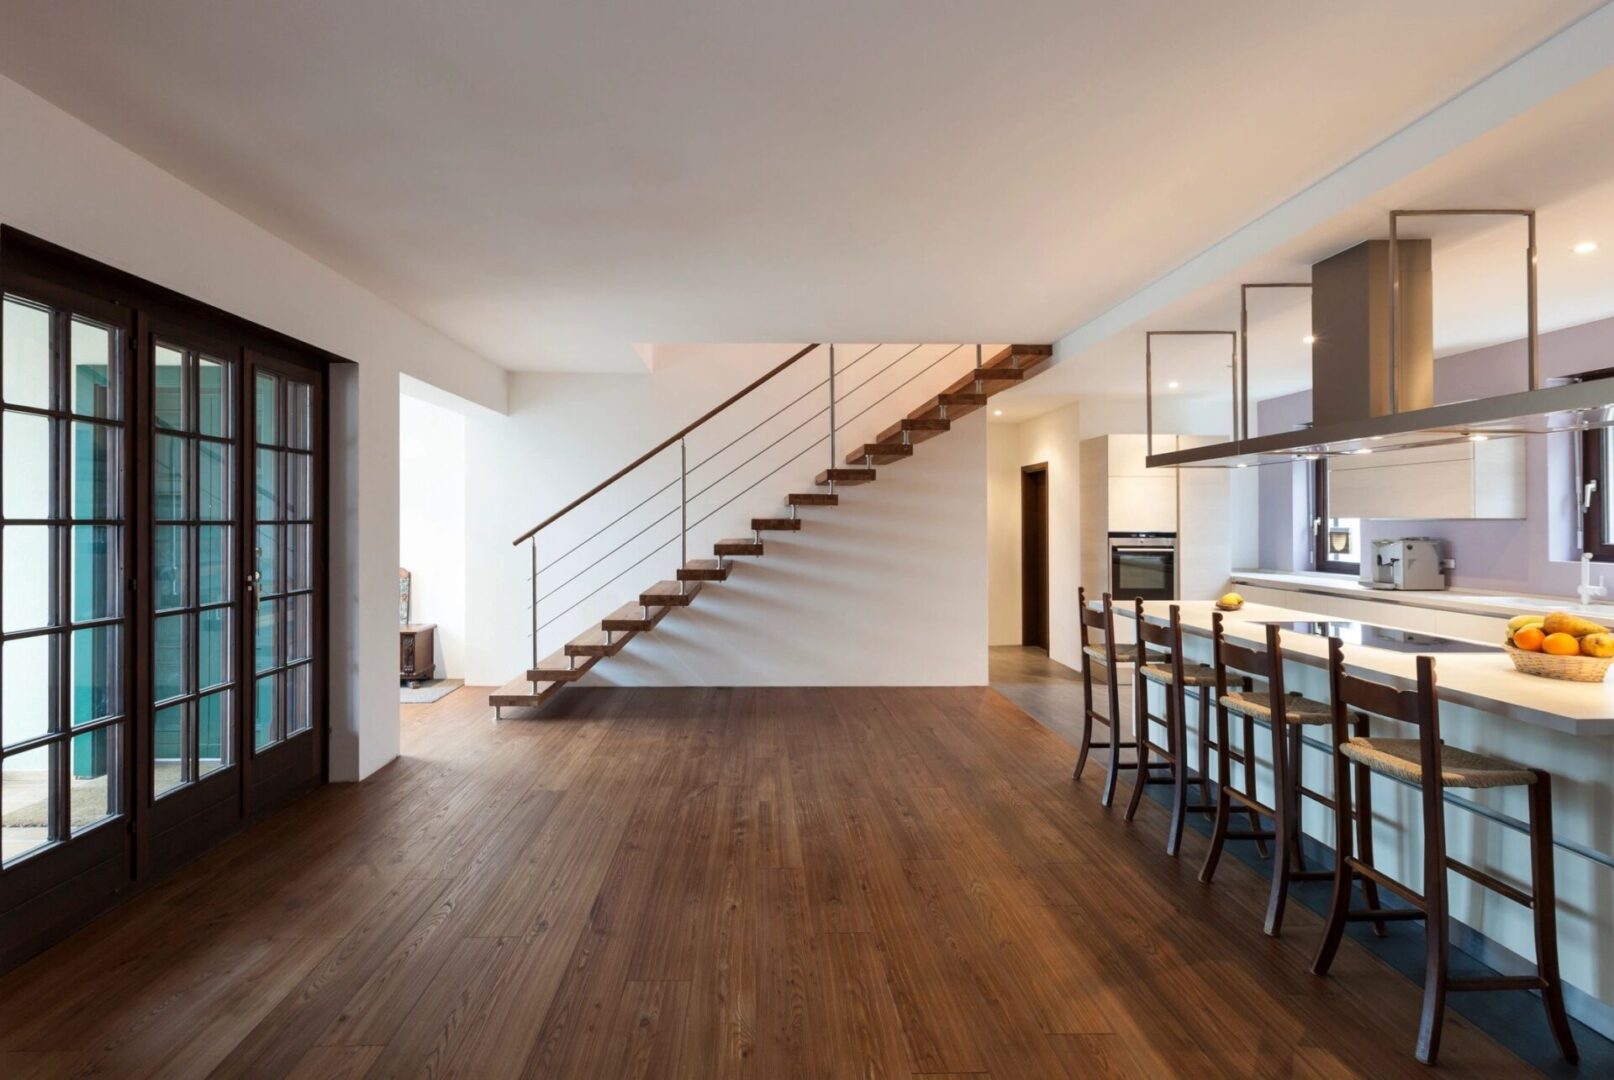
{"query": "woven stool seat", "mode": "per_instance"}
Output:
(1192, 675)
(1398, 758)
(1296, 708)
(1124, 654)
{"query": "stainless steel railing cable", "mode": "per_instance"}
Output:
(809, 447)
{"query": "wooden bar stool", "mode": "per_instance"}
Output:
(1431, 766)
(1292, 712)
(1159, 659)
(1112, 655)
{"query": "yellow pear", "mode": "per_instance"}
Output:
(1598, 645)
(1561, 622)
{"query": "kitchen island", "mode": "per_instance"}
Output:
(1565, 728)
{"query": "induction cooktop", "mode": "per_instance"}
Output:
(1382, 637)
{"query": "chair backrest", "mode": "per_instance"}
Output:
(1165, 639)
(1103, 620)
(1366, 698)
(1230, 656)
(1351, 693)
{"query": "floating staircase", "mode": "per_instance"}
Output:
(1007, 368)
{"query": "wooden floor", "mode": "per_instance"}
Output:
(713, 883)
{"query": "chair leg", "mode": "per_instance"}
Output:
(1436, 928)
(1177, 726)
(1295, 774)
(1140, 738)
(1546, 916)
(1113, 769)
(1364, 839)
(1087, 717)
(1249, 776)
(1204, 744)
(1339, 905)
(1224, 805)
(1285, 841)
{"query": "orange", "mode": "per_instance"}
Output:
(1528, 638)
(1561, 645)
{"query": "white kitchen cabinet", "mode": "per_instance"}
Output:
(1143, 503)
(1461, 480)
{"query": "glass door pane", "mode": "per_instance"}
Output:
(193, 676)
(63, 661)
(283, 528)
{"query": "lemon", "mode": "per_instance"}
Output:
(1231, 599)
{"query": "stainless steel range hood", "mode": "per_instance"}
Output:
(1373, 368)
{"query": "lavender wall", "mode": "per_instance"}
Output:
(1534, 555)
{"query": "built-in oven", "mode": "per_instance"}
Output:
(1143, 565)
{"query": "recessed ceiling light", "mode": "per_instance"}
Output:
(1363, 450)
(997, 412)
(1173, 384)
(1244, 464)
(1478, 438)
(1310, 339)
(1311, 457)
(1585, 247)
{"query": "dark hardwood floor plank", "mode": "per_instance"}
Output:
(730, 883)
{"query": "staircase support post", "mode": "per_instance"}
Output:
(832, 461)
(683, 511)
(534, 546)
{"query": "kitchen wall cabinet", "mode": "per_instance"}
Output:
(1119, 493)
(1463, 480)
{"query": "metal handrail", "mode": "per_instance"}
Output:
(685, 469)
(653, 451)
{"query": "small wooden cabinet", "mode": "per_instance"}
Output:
(417, 651)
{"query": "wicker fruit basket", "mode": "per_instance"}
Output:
(1228, 607)
(1570, 668)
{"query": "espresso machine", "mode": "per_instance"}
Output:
(1411, 562)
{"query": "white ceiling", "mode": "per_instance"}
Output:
(1556, 158)
(550, 183)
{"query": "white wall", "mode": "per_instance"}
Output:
(889, 588)
(432, 523)
(65, 182)
(1003, 463)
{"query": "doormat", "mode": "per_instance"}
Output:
(428, 692)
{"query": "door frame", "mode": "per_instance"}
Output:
(1034, 631)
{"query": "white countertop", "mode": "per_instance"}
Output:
(1486, 681)
(1470, 601)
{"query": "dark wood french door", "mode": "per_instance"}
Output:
(162, 594)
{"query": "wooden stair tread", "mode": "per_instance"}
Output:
(783, 524)
(558, 667)
(739, 545)
(917, 430)
(814, 498)
(990, 380)
(598, 642)
(845, 476)
(705, 570)
(632, 617)
(882, 452)
(666, 593)
(958, 404)
(523, 691)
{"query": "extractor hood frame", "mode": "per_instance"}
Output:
(1148, 383)
(1573, 406)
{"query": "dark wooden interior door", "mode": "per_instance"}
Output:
(1034, 556)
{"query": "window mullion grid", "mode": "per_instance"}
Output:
(59, 816)
(191, 768)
